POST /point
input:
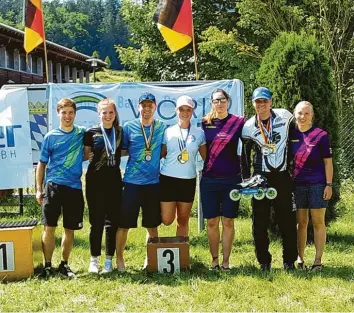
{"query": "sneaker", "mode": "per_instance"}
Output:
(93, 267)
(66, 271)
(265, 267)
(316, 268)
(289, 266)
(301, 266)
(107, 267)
(46, 273)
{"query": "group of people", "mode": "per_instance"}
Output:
(276, 140)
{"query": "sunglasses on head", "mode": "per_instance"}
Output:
(215, 101)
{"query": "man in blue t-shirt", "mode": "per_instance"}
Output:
(142, 140)
(61, 164)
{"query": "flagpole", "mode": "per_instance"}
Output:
(194, 47)
(45, 48)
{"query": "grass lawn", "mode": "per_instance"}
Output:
(245, 288)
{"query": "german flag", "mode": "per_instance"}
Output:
(34, 30)
(174, 20)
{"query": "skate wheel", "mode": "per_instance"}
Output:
(271, 193)
(247, 196)
(235, 195)
(259, 195)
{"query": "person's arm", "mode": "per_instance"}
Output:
(327, 194)
(203, 151)
(39, 181)
(245, 159)
(88, 154)
(163, 151)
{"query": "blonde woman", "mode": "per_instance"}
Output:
(103, 182)
(313, 177)
(221, 174)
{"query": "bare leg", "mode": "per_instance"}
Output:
(67, 243)
(151, 233)
(48, 243)
(168, 212)
(214, 239)
(319, 226)
(228, 234)
(302, 220)
(183, 213)
(121, 240)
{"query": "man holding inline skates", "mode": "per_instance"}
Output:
(267, 133)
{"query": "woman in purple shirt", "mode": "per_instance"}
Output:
(221, 173)
(313, 174)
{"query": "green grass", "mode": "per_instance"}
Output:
(245, 288)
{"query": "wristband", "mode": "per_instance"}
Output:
(329, 184)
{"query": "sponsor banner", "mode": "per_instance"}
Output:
(126, 96)
(16, 167)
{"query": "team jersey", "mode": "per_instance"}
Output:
(93, 138)
(309, 149)
(174, 140)
(63, 153)
(265, 159)
(222, 139)
(140, 171)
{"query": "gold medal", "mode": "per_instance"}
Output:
(272, 147)
(185, 155)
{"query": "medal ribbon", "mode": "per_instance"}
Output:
(109, 142)
(181, 141)
(148, 141)
(266, 131)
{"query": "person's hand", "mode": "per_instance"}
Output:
(39, 196)
(327, 194)
(90, 156)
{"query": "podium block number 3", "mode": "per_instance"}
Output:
(168, 260)
(7, 256)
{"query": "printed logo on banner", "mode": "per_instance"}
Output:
(7, 141)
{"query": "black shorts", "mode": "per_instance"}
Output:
(174, 189)
(60, 199)
(146, 197)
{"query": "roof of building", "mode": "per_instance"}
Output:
(18, 35)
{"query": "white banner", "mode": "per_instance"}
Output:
(126, 96)
(16, 169)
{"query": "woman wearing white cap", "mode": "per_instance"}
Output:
(181, 144)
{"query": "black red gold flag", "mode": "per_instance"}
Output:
(174, 20)
(34, 30)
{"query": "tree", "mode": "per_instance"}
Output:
(108, 61)
(96, 54)
(295, 67)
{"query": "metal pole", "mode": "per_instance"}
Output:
(20, 193)
(94, 74)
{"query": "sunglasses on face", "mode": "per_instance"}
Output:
(216, 101)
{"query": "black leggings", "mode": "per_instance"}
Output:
(104, 205)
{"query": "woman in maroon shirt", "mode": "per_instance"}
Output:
(221, 174)
(312, 174)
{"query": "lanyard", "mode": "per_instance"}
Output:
(266, 131)
(148, 141)
(181, 141)
(109, 142)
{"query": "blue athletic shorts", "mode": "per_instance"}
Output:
(146, 197)
(215, 196)
(310, 197)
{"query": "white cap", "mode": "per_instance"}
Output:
(185, 100)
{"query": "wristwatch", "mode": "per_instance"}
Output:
(329, 184)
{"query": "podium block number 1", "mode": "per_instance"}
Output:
(168, 260)
(7, 257)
